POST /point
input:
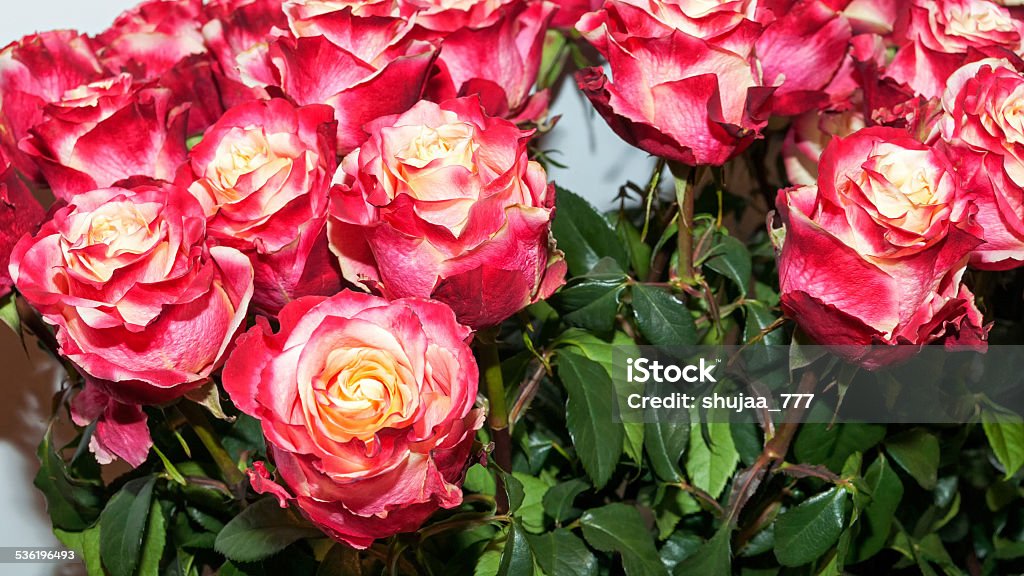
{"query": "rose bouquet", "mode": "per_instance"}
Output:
(322, 308)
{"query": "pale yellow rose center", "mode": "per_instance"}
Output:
(362, 391)
(977, 18)
(904, 186)
(237, 157)
(120, 228)
(452, 144)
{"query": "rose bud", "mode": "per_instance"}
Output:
(141, 306)
(262, 174)
(875, 253)
(363, 67)
(29, 81)
(935, 37)
(516, 39)
(442, 202)
(983, 122)
(808, 135)
(367, 408)
(20, 213)
(685, 84)
(104, 132)
(150, 38)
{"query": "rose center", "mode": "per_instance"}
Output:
(977, 18)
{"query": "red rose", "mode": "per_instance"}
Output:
(262, 173)
(106, 131)
(367, 408)
(808, 136)
(516, 40)
(20, 213)
(936, 37)
(29, 80)
(983, 111)
(239, 30)
(442, 202)
(875, 253)
(685, 84)
(140, 304)
(570, 11)
(363, 67)
(150, 38)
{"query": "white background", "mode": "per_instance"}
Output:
(600, 163)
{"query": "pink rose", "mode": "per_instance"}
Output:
(936, 37)
(875, 253)
(983, 111)
(570, 11)
(150, 38)
(363, 67)
(442, 202)
(29, 81)
(106, 131)
(516, 40)
(20, 213)
(685, 84)
(367, 408)
(237, 30)
(141, 305)
(429, 15)
(262, 173)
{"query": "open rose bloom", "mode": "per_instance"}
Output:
(887, 217)
(367, 406)
(442, 202)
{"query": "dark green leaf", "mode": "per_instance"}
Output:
(589, 415)
(732, 260)
(803, 534)
(917, 452)
(820, 444)
(639, 251)
(72, 504)
(561, 553)
(514, 490)
(584, 235)
(558, 501)
(713, 558)
(591, 302)
(759, 318)
(516, 557)
(1005, 434)
(620, 528)
(260, 531)
(665, 443)
(886, 491)
(663, 320)
(153, 545)
(123, 526)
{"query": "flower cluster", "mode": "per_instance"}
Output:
(237, 161)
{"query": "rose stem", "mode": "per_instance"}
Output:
(684, 177)
(497, 417)
(204, 430)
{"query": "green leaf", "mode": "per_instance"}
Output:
(917, 452)
(531, 510)
(87, 544)
(516, 557)
(760, 317)
(664, 443)
(515, 492)
(620, 528)
(732, 260)
(584, 235)
(153, 546)
(72, 504)
(9, 312)
(885, 492)
(711, 466)
(803, 534)
(1005, 433)
(663, 320)
(713, 558)
(589, 415)
(562, 553)
(208, 396)
(124, 522)
(639, 251)
(820, 444)
(553, 58)
(260, 531)
(591, 302)
(558, 501)
(488, 563)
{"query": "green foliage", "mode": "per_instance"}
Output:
(260, 531)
